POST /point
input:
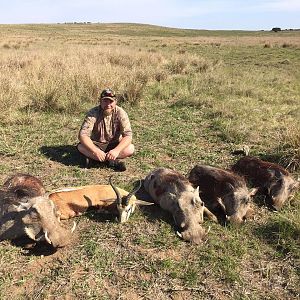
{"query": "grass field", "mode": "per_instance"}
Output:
(192, 96)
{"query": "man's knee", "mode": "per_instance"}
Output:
(128, 151)
(80, 148)
(83, 150)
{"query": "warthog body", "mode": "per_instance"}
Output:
(31, 216)
(223, 191)
(75, 201)
(272, 180)
(24, 185)
(174, 193)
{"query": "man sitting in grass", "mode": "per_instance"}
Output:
(106, 134)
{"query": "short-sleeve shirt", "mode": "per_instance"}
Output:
(106, 129)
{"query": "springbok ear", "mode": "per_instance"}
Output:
(30, 232)
(197, 190)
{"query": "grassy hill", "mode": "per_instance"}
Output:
(192, 96)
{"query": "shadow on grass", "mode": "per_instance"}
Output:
(281, 235)
(33, 248)
(65, 154)
(70, 156)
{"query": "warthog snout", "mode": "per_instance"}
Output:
(42, 224)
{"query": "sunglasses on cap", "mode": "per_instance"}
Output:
(107, 93)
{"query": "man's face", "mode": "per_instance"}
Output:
(107, 105)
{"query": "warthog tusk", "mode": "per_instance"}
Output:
(47, 238)
(142, 202)
(179, 234)
(74, 226)
(208, 230)
(221, 204)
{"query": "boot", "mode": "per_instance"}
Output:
(116, 165)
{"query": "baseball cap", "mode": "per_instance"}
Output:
(108, 93)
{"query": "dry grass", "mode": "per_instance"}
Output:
(192, 96)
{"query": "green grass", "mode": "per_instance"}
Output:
(192, 96)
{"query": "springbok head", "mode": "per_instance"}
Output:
(126, 204)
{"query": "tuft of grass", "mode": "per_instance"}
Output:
(289, 148)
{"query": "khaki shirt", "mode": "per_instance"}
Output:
(106, 129)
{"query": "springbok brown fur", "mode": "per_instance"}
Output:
(74, 201)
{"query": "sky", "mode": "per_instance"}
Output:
(191, 14)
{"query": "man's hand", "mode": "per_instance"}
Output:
(112, 154)
(100, 154)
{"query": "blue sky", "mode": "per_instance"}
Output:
(198, 14)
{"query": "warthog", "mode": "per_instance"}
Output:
(22, 214)
(174, 193)
(24, 185)
(272, 180)
(223, 191)
(75, 201)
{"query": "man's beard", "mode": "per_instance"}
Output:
(107, 112)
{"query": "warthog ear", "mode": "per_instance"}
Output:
(30, 232)
(22, 206)
(253, 191)
(295, 185)
(275, 173)
(173, 196)
(229, 188)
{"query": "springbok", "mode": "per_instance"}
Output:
(74, 201)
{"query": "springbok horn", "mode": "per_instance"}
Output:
(133, 192)
(74, 226)
(47, 238)
(119, 199)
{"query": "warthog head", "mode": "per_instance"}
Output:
(188, 216)
(126, 204)
(279, 188)
(236, 203)
(35, 217)
(223, 189)
(273, 181)
(174, 193)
